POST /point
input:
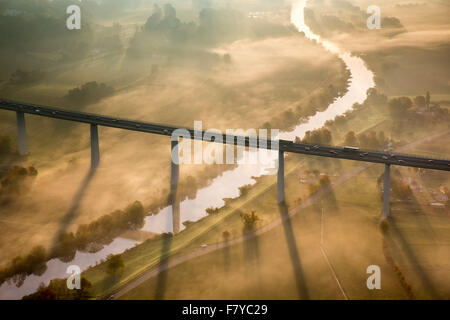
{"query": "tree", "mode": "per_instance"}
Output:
(212, 210)
(90, 92)
(319, 136)
(249, 220)
(243, 191)
(42, 293)
(350, 139)
(391, 22)
(115, 264)
(372, 140)
(226, 235)
(428, 99)
(154, 19)
(57, 290)
(339, 120)
(399, 106)
(135, 214)
(374, 98)
(363, 140)
(84, 293)
(36, 259)
(420, 101)
(66, 248)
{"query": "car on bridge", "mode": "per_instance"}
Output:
(351, 149)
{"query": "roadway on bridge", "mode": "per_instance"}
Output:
(285, 146)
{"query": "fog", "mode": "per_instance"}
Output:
(204, 77)
(231, 64)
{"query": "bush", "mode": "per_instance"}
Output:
(212, 210)
(106, 228)
(33, 263)
(16, 182)
(243, 191)
(90, 92)
(57, 290)
(398, 107)
(115, 264)
(320, 136)
(249, 220)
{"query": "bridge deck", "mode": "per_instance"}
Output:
(285, 146)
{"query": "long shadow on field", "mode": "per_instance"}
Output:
(226, 256)
(161, 282)
(251, 245)
(71, 213)
(7, 161)
(426, 281)
(166, 245)
(293, 252)
(252, 255)
(329, 200)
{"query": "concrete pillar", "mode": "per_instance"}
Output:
(280, 180)
(174, 177)
(386, 191)
(95, 148)
(21, 134)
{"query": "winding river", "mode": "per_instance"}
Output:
(227, 185)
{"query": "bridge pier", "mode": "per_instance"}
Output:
(280, 178)
(174, 177)
(21, 134)
(386, 191)
(95, 148)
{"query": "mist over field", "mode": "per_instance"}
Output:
(204, 59)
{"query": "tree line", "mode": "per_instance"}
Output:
(101, 231)
(15, 182)
(370, 140)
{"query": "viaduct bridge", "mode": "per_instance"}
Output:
(282, 146)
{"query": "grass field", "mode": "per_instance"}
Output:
(262, 268)
(136, 166)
